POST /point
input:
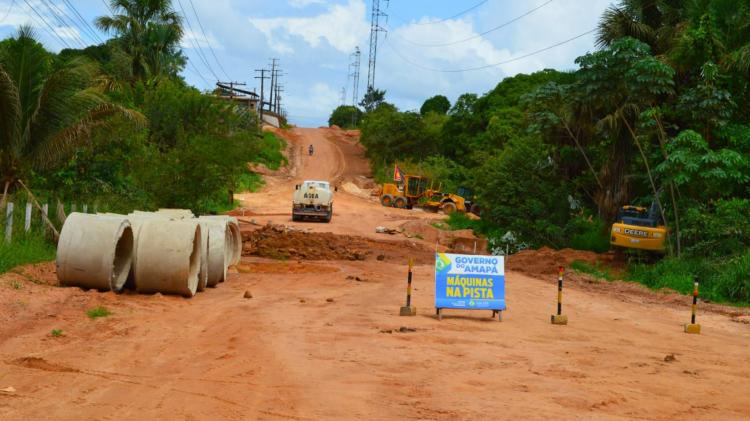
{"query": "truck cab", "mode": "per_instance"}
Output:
(313, 199)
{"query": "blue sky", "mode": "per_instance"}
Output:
(314, 40)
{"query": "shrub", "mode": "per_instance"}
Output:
(587, 234)
(97, 312)
(345, 116)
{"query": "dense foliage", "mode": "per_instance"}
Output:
(659, 113)
(115, 127)
(345, 116)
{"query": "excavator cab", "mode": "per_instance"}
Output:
(639, 228)
(471, 205)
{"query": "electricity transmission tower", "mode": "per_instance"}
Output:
(343, 95)
(375, 29)
(354, 73)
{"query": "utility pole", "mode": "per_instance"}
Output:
(263, 79)
(279, 91)
(375, 29)
(274, 81)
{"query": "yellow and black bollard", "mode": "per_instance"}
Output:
(408, 309)
(559, 318)
(693, 327)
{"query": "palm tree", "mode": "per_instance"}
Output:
(45, 113)
(653, 22)
(149, 31)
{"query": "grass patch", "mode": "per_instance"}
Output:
(722, 280)
(250, 182)
(598, 271)
(97, 312)
(461, 221)
(56, 333)
(24, 249)
(271, 151)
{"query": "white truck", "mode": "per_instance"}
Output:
(313, 199)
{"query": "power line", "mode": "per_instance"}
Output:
(461, 13)
(12, 2)
(107, 5)
(195, 70)
(55, 34)
(469, 69)
(88, 27)
(196, 44)
(61, 21)
(480, 35)
(208, 43)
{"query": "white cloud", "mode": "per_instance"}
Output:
(191, 39)
(304, 3)
(342, 26)
(68, 32)
(313, 104)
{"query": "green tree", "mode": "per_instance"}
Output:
(149, 31)
(345, 116)
(46, 111)
(521, 192)
(372, 99)
(437, 104)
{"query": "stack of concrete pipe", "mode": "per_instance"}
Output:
(169, 251)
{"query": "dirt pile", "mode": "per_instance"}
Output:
(458, 241)
(545, 261)
(282, 242)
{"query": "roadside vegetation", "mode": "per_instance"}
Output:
(98, 312)
(660, 111)
(115, 125)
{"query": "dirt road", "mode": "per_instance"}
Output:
(323, 340)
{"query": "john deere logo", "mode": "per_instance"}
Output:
(311, 195)
(637, 233)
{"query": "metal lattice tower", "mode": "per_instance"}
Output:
(375, 28)
(354, 73)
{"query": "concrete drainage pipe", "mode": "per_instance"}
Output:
(218, 252)
(234, 242)
(168, 257)
(95, 251)
(177, 213)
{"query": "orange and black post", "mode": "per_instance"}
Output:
(408, 310)
(693, 327)
(559, 318)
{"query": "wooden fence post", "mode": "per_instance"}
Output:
(9, 222)
(45, 215)
(27, 222)
(60, 213)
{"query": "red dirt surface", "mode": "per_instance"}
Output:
(323, 339)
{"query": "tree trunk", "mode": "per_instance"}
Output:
(648, 169)
(5, 194)
(672, 188)
(583, 152)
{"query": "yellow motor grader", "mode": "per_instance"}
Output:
(417, 191)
